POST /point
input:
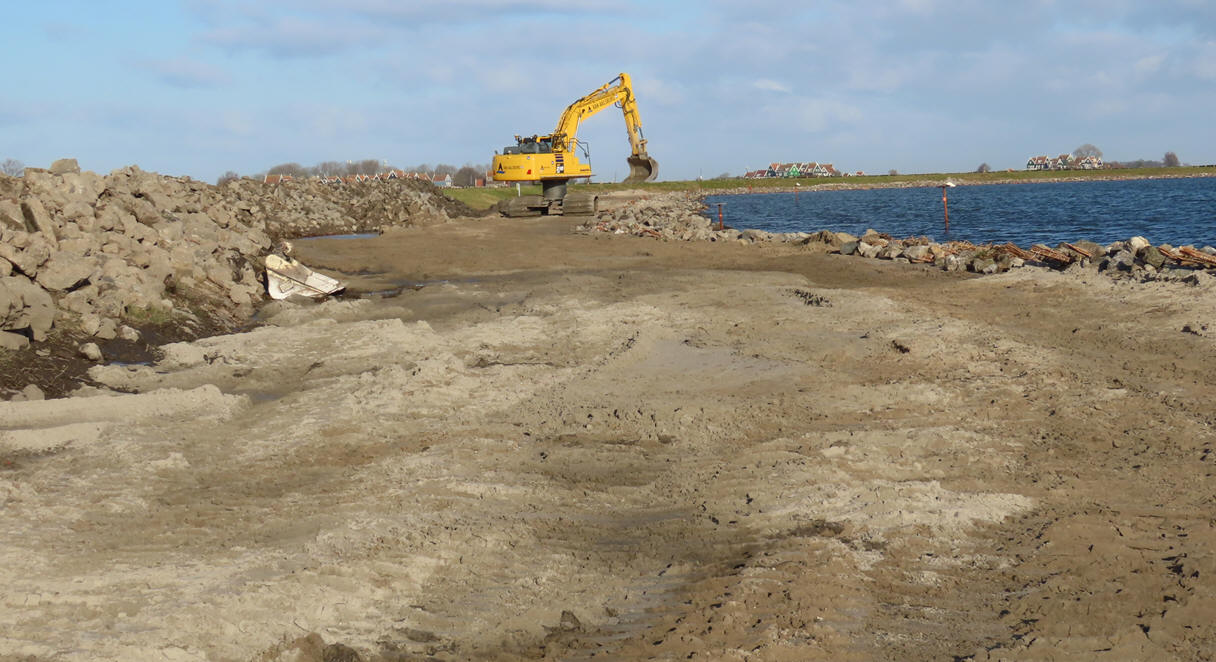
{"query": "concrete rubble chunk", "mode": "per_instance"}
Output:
(90, 351)
(64, 166)
(32, 393)
(12, 217)
(36, 215)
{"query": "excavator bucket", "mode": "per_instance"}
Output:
(642, 169)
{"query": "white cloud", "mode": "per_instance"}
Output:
(771, 86)
(185, 72)
(1149, 65)
(1205, 63)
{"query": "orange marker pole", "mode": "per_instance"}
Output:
(946, 208)
(721, 224)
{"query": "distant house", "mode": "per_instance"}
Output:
(796, 169)
(442, 180)
(1064, 162)
(276, 179)
(1090, 163)
(1038, 163)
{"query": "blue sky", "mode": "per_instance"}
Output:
(198, 87)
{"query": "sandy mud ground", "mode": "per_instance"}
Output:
(515, 442)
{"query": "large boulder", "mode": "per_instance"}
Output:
(1151, 256)
(26, 252)
(36, 311)
(64, 271)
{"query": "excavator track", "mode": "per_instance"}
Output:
(580, 204)
(524, 205)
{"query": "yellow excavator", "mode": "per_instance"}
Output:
(552, 160)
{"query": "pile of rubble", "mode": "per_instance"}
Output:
(678, 216)
(90, 252)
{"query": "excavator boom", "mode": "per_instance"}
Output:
(618, 92)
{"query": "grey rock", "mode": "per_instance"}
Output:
(1135, 244)
(89, 323)
(1120, 261)
(6, 268)
(844, 238)
(849, 247)
(865, 249)
(128, 333)
(107, 329)
(916, 252)
(64, 166)
(1151, 256)
(890, 251)
(982, 265)
(90, 351)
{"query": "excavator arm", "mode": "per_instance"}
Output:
(616, 92)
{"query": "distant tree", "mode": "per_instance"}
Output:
(1087, 150)
(229, 176)
(12, 167)
(892, 171)
(292, 169)
(444, 169)
(983, 167)
(725, 175)
(1171, 160)
(466, 176)
(329, 168)
(363, 167)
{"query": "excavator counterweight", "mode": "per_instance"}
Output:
(553, 159)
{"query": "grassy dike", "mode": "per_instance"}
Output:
(485, 198)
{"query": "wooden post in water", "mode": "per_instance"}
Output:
(721, 224)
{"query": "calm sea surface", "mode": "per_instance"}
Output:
(1173, 211)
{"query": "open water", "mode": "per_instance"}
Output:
(1173, 211)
